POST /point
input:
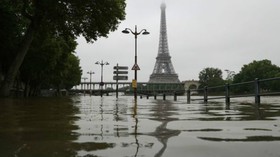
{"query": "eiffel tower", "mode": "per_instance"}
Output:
(163, 71)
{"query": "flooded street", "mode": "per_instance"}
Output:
(90, 126)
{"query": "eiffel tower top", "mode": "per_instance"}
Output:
(163, 5)
(163, 71)
(163, 43)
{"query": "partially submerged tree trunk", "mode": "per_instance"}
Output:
(13, 69)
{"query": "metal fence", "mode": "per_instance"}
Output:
(255, 88)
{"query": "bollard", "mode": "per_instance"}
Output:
(257, 92)
(175, 96)
(155, 97)
(164, 96)
(205, 95)
(141, 96)
(147, 96)
(227, 97)
(188, 96)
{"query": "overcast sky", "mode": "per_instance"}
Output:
(224, 34)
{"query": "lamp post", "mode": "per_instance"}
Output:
(101, 82)
(90, 73)
(230, 75)
(135, 67)
(84, 78)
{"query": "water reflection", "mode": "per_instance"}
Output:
(136, 127)
(37, 127)
(219, 111)
(95, 126)
(163, 112)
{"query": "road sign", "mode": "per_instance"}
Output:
(120, 77)
(120, 72)
(135, 67)
(121, 67)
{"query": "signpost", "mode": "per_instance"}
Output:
(120, 72)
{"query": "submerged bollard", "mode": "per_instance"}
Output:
(227, 97)
(257, 92)
(188, 96)
(205, 94)
(175, 96)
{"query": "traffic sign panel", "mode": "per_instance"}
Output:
(121, 67)
(120, 77)
(120, 72)
(135, 67)
(134, 83)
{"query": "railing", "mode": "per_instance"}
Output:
(255, 88)
(161, 88)
(144, 88)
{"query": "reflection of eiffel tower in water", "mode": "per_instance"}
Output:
(163, 71)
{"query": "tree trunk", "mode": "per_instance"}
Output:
(13, 69)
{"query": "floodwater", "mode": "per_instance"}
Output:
(87, 126)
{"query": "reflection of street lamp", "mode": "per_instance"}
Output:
(102, 64)
(135, 67)
(90, 73)
(136, 126)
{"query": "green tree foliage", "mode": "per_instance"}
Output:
(73, 73)
(67, 19)
(50, 64)
(257, 69)
(262, 69)
(211, 77)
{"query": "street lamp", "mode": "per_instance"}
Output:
(135, 67)
(101, 64)
(230, 75)
(84, 78)
(90, 73)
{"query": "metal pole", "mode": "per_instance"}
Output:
(135, 33)
(101, 83)
(135, 63)
(90, 84)
(117, 82)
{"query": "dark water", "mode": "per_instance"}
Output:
(94, 126)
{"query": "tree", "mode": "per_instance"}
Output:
(74, 72)
(90, 18)
(257, 69)
(10, 34)
(50, 63)
(211, 77)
